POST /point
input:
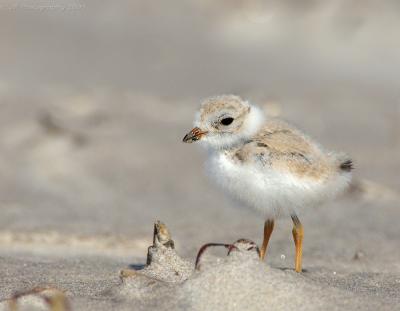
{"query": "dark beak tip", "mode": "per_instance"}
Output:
(186, 139)
(194, 135)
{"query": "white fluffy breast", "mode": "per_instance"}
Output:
(270, 192)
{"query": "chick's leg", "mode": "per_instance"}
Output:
(268, 228)
(298, 234)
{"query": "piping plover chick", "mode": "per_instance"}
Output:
(267, 164)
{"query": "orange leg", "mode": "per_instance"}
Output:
(298, 234)
(268, 228)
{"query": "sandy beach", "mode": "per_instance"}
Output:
(95, 102)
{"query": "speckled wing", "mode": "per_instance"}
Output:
(281, 147)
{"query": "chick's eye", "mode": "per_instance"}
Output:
(226, 121)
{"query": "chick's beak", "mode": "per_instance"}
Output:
(194, 135)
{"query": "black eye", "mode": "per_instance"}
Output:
(227, 121)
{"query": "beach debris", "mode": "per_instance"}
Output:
(159, 277)
(168, 279)
(161, 238)
(241, 281)
(54, 298)
(241, 245)
(245, 245)
(163, 262)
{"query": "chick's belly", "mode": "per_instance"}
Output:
(246, 183)
(270, 192)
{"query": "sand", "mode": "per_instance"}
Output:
(238, 281)
(95, 102)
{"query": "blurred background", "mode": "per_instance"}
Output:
(96, 96)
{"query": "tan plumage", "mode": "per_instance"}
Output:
(267, 164)
(281, 147)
